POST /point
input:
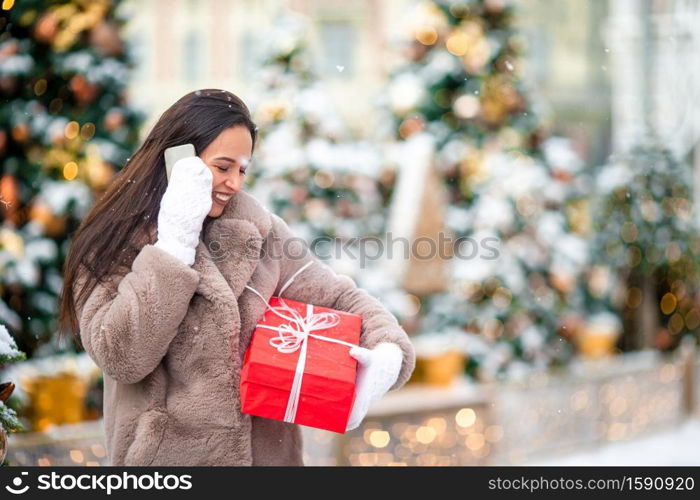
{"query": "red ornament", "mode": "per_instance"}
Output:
(84, 91)
(9, 49)
(9, 198)
(663, 339)
(105, 38)
(114, 120)
(562, 175)
(20, 132)
(46, 28)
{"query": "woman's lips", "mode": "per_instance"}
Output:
(225, 197)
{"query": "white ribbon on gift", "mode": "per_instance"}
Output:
(293, 336)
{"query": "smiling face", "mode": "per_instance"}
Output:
(228, 157)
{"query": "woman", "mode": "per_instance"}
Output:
(160, 276)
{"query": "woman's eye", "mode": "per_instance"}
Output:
(223, 169)
(243, 171)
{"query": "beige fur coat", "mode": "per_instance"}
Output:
(170, 340)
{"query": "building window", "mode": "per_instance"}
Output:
(139, 46)
(337, 43)
(192, 63)
(246, 55)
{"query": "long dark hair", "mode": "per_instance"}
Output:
(122, 221)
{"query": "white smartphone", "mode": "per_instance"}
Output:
(176, 153)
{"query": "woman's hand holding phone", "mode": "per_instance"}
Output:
(185, 204)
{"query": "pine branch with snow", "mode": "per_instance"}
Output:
(8, 419)
(8, 347)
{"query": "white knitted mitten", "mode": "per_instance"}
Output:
(377, 371)
(185, 204)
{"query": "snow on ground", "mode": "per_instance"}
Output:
(680, 446)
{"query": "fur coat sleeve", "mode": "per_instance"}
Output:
(128, 322)
(320, 285)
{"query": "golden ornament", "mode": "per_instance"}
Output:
(64, 40)
(53, 224)
(99, 174)
(441, 370)
(499, 99)
(12, 242)
(324, 179)
(598, 336)
(493, 112)
(273, 111)
(40, 212)
(458, 42)
(474, 61)
(472, 169)
(56, 158)
(564, 282)
(65, 11)
(579, 217)
(56, 400)
(427, 35)
(469, 43)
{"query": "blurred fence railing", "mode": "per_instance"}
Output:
(585, 406)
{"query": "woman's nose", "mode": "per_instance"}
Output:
(234, 182)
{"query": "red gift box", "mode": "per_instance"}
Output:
(301, 349)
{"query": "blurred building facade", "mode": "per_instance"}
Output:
(211, 44)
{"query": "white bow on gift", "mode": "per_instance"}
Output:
(293, 335)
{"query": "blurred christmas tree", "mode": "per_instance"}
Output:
(8, 418)
(515, 199)
(648, 240)
(65, 129)
(308, 167)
